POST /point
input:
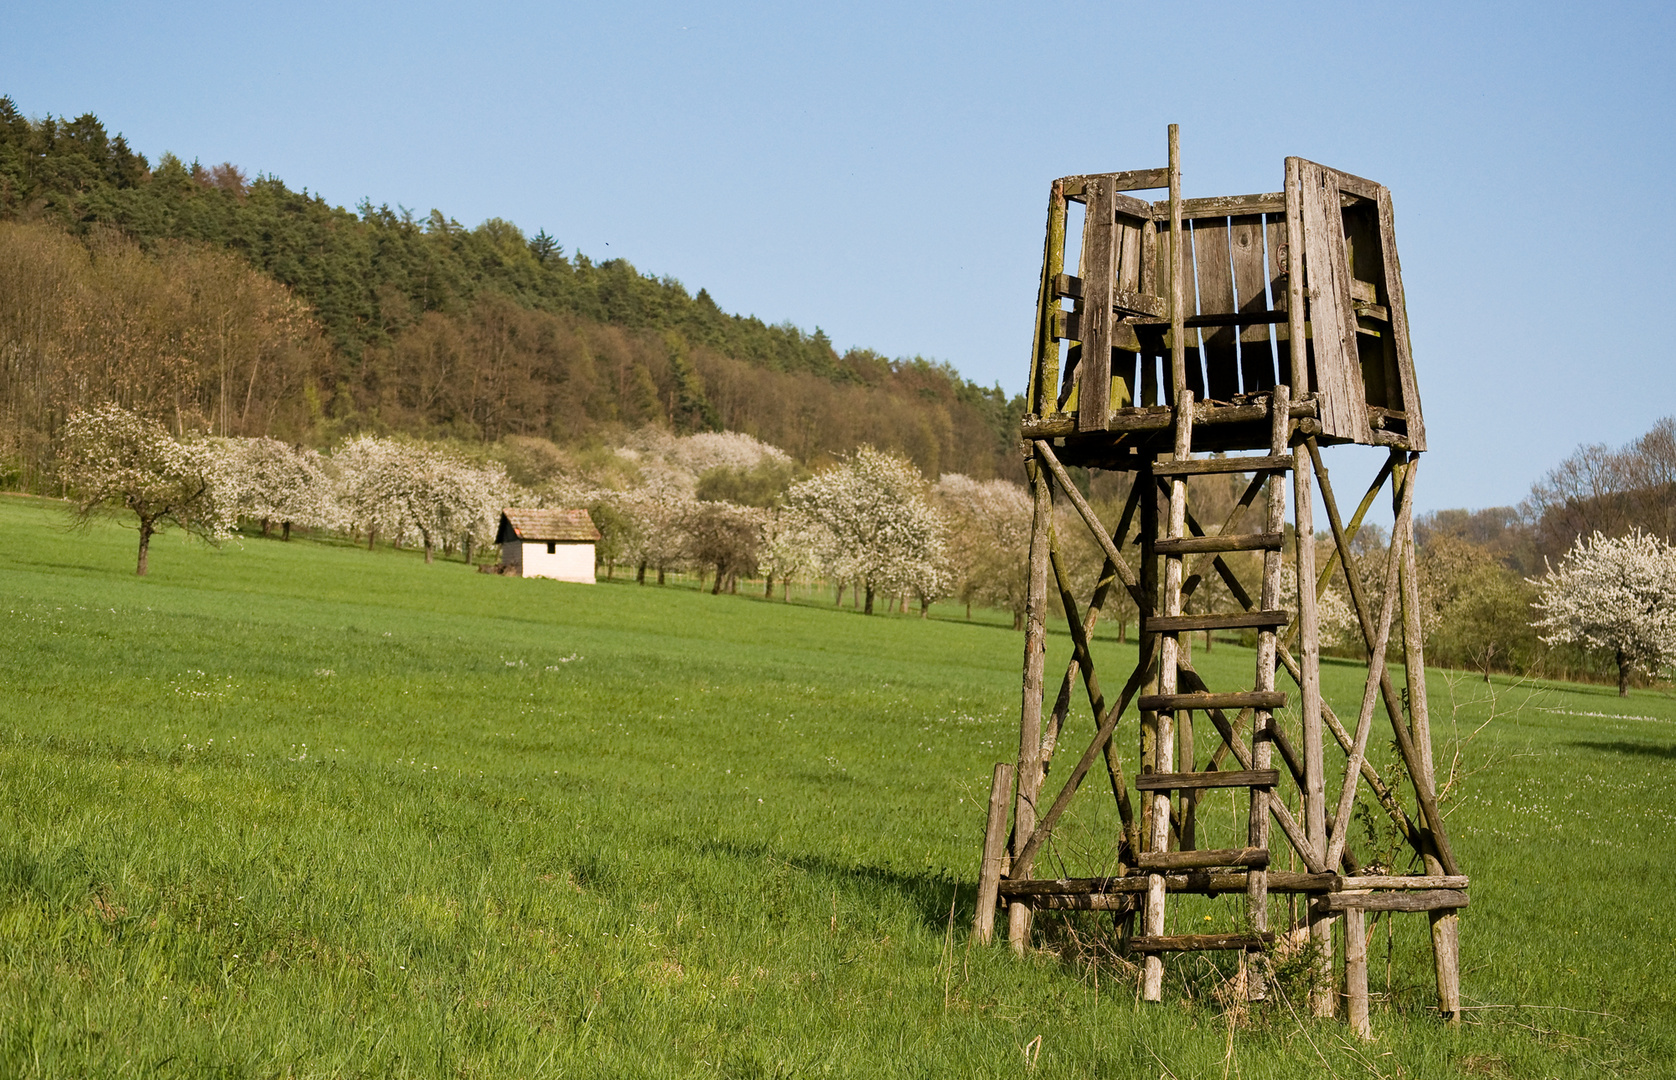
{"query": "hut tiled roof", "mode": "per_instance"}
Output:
(565, 526)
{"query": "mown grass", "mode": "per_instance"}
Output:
(305, 810)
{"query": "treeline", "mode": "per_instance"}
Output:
(424, 326)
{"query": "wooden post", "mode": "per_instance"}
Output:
(1262, 723)
(1030, 711)
(1178, 331)
(1309, 644)
(1445, 924)
(1356, 972)
(1152, 978)
(994, 851)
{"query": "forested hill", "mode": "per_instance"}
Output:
(414, 311)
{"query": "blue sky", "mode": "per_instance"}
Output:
(880, 170)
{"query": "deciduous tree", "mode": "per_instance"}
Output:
(113, 458)
(1614, 594)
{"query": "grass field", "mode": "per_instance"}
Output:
(308, 810)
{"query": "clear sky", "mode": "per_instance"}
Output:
(881, 170)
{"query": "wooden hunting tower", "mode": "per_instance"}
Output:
(1258, 328)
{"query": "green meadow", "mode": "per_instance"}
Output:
(305, 810)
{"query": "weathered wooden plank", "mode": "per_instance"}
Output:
(1422, 900)
(1194, 545)
(1239, 699)
(994, 851)
(1146, 943)
(1128, 279)
(1275, 233)
(1245, 245)
(1191, 356)
(1202, 466)
(1121, 901)
(1125, 301)
(1142, 304)
(1197, 881)
(1233, 620)
(1399, 324)
(1228, 778)
(1273, 202)
(1216, 297)
(1043, 390)
(1140, 179)
(1094, 377)
(1338, 369)
(1407, 881)
(1355, 185)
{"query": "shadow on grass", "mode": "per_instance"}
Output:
(1652, 750)
(928, 893)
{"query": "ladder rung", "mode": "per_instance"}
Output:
(1181, 781)
(1170, 624)
(1197, 942)
(1244, 699)
(1192, 545)
(1203, 860)
(1199, 466)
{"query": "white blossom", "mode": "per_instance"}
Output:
(1615, 594)
(113, 458)
(272, 482)
(876, 526)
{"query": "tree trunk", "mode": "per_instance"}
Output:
(721, 578)
(1018, 620)
(768, 590)
(640, 574)
(372, 537)
(924, 607)
(869, 610)
(285, 532)
(660, 575)
(266, 526)
(1623, 661)
(785, 590)
(838, 601)
(466, 546)
(427, 551)
(145, 546)
(1207, 640)
(968, 611)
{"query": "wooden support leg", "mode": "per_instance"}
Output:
(1445, 925)
(1323, 1000)
(994, 851)
(1446, 952)
(1030, 712)
(1356, 971)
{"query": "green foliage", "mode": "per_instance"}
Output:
(305, 808)
(764, 484)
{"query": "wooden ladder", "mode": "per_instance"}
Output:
(1173, 700)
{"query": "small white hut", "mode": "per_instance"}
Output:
(547, 543)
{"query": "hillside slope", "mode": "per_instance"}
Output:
(437, 329)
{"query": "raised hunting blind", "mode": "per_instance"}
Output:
(1259, 330)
